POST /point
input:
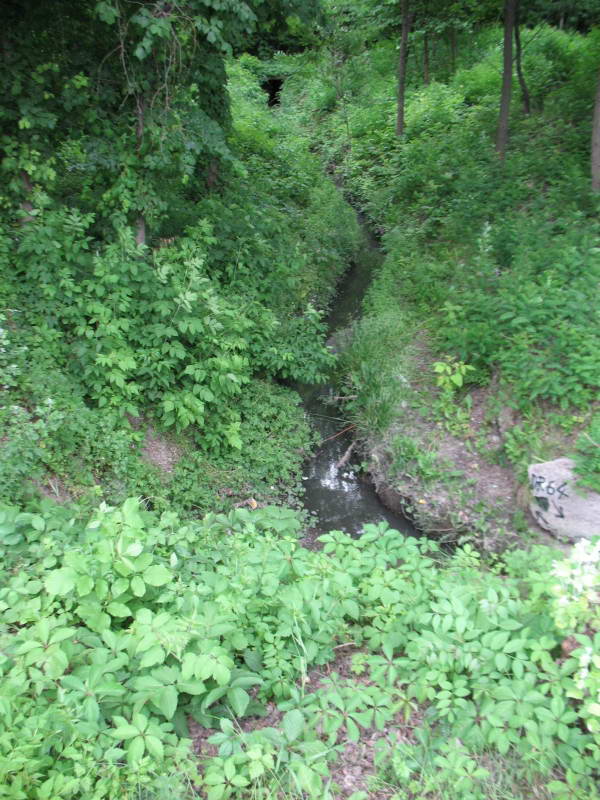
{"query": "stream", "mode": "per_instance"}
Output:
(342, 499)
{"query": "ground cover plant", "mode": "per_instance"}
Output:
(121, 628)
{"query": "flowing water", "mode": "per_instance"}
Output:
(341, 498)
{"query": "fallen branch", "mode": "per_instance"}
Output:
(344, 459)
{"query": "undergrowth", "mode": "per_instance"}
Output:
(192, 334)
(494, 264)
(120, 628)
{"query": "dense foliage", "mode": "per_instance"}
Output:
(184, 331)
(496, 260)
(168, 249)
(118, 629)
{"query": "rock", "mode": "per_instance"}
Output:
(559, 505)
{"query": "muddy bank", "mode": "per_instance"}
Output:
(448, 484)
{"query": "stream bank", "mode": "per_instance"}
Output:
(443, 477)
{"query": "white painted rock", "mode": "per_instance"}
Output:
(558, 505)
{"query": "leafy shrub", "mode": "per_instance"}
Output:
(499, 261)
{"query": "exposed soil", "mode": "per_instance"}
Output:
(160, 451)
(473, 495)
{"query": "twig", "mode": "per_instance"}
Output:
(591, 441)
(339, 433)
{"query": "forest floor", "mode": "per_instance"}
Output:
(354, 769)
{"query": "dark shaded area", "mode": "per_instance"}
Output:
(272, 86)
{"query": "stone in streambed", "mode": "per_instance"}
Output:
(560, 506)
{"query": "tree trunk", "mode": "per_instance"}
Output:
(453, 50)
(140, 224)
(407, 18)
(426, 72)
(522, 83)
(140, 230)
(509, 26)
(25, 204)
(596, 142)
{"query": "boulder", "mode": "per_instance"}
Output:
(560, 506)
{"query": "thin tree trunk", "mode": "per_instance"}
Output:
(522, 83)
(453, 50)
(25, 204)
(140, 224)
(407, 18)
(509, 25)
(596, 142)
(426, 72)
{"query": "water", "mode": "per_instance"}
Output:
(341, 498)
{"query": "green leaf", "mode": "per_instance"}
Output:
(60, 581)
(309, 780)
(192, 687)
(221, 674)
(253, 660)
(155, 746)
(155, 655)
(157, 575)
(125, 732)
(57, 664)
(293, 724)
(352, 730)
(501, 662)
(166, 701)
(238, 699)
(118, 610)
(84, 585)
(135, 751)
(138, 587)
(215, 694)
(38, 523)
